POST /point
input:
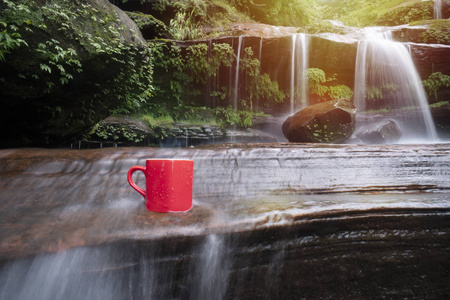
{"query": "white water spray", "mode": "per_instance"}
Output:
(386, 79)
(211, 270)
(437, 9)
(299, 65)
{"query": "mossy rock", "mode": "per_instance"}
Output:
(123, 130)
(150, 26)
(326, 122)
(406, 13)
(82, 58)
(427, 32)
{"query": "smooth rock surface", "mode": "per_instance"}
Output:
(54, 200)
(286, 220)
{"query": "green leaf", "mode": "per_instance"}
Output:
(46, 68)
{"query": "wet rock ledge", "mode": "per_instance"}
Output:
(122, 131)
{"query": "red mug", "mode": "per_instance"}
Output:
(168, 185)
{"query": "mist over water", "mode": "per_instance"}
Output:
(386, 79)
(260, 213)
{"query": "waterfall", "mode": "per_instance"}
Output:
(294, 39)
(211, 271)
(236, 75)
(299, 65)
(260, 63)
(387, 80)
(437, 9)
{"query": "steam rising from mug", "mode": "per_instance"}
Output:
(168, 185)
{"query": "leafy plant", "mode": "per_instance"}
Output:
(184, 27)
(182, 75)
(61, 36)
(407, 13)
(10, 37)
(440, 104)
(116, 132)
(435, 82)
(147, 22)
(370, 12)
(279, 12)
(438, 32)
(259, 86)
(229, 116)
(55, 59)
(322, 87)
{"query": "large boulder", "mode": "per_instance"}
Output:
(327, 122)
(79, 60)
(387, 132)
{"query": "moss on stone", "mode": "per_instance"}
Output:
(83, 58)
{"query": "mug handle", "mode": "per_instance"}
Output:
(130, 179)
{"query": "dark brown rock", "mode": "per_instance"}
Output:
(327, 122)
(386, 133)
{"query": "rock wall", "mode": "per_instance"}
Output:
(334, 54)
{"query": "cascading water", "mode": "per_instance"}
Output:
(437, 9)
(260, 62)
(236, 74)
(268, 222)
(299, 65)
(386, 80)
(211, 270)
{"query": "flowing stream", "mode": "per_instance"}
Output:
(269, 221)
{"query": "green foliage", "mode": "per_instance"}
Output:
(229, 116)
(259, 86)
(438, 32)
(279, 12)
(407, 13)
(323, 26)
(55, 59)
(184, 27)
(340, 92)
(169, 64)
(152, 121)
(440, 104)
(380, 92)
(188, 20)
(381, 12)
(10, 38)
(160, 5)
(116, 133)
(182, 75)
(435, 82)
(321, 86)
(61, 35)
(144, 22)
(316, 78)
(321, 133)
